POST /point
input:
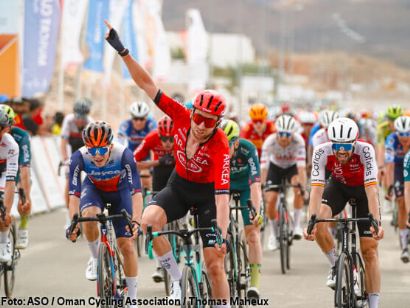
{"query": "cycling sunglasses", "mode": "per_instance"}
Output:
(284, 134)
(336, 147)
(139, 119)
(208, 122)
(165, 139)
(257, 121)
(98, 150)
(402, 134)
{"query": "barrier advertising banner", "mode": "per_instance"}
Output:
(9, 64)
(41, 27)
(73, 17)
(98, 11)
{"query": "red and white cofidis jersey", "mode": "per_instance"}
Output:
(249, 133)
(320, 137)
(293, 154)
(211, 162)
(153, 143)
(360, 170)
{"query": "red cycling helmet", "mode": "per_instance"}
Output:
(165, 126)
(211, 102)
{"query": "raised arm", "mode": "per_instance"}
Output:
(141, 77)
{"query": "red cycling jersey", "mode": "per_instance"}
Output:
(153, 143)
(360, 170)
(211, 162)
(248, 132)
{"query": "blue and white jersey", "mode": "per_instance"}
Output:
(132, 136)
(120, 171)
(394, 152)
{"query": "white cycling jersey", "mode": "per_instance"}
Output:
(9, 154)
(320, 137)
(361, 169)
(294, 153)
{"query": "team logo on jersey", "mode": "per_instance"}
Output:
(190, 165)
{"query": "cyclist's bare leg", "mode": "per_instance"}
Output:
(368, 247)
(402, 213)
(271, 200)
(323, 237)
(297, 202)
(130, 256)
(214, 262)
(252, 234)
(155, 216)
(90, 229)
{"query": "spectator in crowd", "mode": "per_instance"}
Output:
(20, 107)
(57, 123)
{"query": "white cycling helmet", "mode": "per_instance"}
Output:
(139, 109)
(306, 117)
(326, 117)
(343, 130)
(402, 124)
(286, 123)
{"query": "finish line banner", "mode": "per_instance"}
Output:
(41, 26)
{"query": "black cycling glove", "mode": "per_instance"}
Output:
(114, 40)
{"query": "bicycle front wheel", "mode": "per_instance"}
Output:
(9, 268)
(105, 275)
(243, 268)
(190, 296)
(359, 275)
(343, 291)
(283, 240)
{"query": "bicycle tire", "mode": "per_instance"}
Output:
(361, 280)
(230, 268)
(243, 269)
(167, 281)
(206, 290)
(120, 282)
(9, 270)
(343, 289)
(105, 276)
(283, 239)
(188, 288)
(138, 244)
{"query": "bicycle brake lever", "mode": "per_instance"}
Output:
(311, 224)
(374, 223)
(128, 219)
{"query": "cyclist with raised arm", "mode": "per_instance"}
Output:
(245, 179)
(134, 130)
(353, 168)
(71, 138)
(201, 178)
(284, 157)
(111, 177)
(9, 152)
(23, 176)
(259, 128)
(397, 145)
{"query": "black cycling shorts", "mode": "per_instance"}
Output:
(160, 176)
(180, 195)
(276, 174)
(336, 195)
(398, 180)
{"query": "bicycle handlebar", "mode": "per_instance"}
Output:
(313, 220)
(185, 234)
(102, 218)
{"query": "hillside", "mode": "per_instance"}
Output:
(375, 27)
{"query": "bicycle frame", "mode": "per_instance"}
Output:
(192, 253)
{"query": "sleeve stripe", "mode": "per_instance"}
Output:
(317, 184)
